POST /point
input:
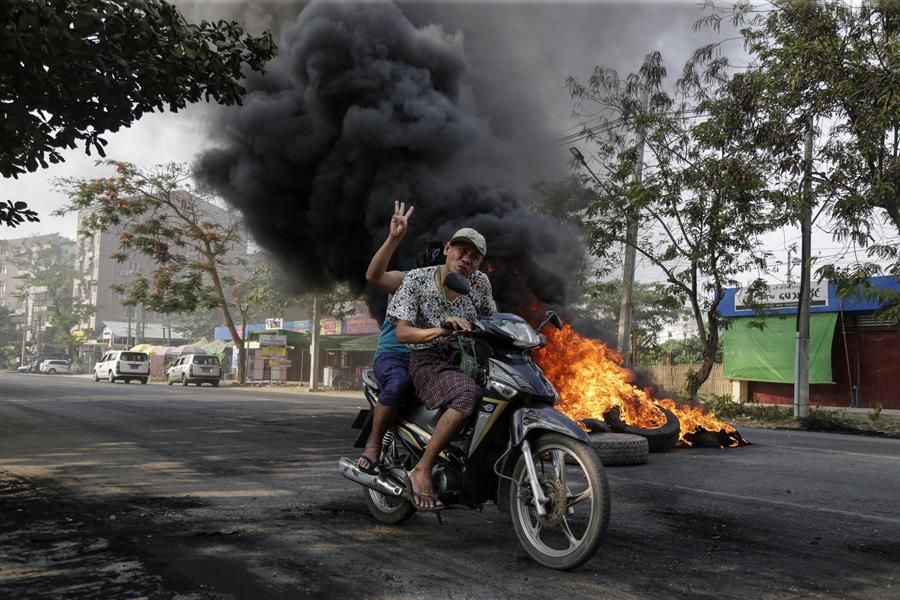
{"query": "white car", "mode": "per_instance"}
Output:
(196, 369)
(124, 365)
(53, 366)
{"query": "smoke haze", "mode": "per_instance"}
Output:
(363, 108)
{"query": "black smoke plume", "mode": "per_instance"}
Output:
(363, 108)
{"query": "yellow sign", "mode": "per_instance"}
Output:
(273, 352)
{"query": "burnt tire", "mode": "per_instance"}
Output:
(660, 439)
(620, 449)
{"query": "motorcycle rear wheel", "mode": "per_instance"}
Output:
(573, 479)
(388, 509)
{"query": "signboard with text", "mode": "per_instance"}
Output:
(267, 340)
(781, 295)
(330, 326)
(360, 325)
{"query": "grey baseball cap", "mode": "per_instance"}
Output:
(467, 234)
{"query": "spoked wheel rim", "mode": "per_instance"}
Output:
(384, 503)
(571, 510)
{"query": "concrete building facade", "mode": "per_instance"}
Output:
(15, 255)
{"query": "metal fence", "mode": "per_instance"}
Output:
(674, 378)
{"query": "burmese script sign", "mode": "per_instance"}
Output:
(782, 295)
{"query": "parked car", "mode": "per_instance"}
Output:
(54, 365)
(34, 363)
(196, 369)
(124, 365)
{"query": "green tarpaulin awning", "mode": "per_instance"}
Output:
(349, 343)
(361, 343)
(768, 354)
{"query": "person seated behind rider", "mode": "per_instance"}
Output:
(391, 357)
(418, 308)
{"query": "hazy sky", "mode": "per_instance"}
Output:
(518, 56)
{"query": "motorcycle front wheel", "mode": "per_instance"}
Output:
(577, 511)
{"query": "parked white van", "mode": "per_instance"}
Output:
(122, 364)
(196, 369)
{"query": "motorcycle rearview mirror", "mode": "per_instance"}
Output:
(457, 283)
(553, 318)
(461, 285)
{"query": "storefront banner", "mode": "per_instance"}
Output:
(361, 325)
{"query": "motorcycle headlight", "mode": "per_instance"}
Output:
(523, 334)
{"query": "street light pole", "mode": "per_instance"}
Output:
(580, 158)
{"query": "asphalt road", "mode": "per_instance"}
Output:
(129, 491)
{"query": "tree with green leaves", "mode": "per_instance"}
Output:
(73, 70)
(16, 213)
(836, 65)
(9, 338)
(654, 307)
(258, 296)
(704, 199)
(197, 247)
(50, 272)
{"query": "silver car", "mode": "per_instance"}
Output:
(196, 369)
(53, 366)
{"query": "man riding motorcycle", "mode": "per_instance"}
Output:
(426, 312)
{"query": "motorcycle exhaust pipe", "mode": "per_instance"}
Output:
(350, 470)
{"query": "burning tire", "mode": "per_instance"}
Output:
(660, 439)
(620, 449)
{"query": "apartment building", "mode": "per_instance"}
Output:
(15, 256)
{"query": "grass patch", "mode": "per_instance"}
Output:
(725, 408)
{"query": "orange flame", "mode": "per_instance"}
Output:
(587, 375)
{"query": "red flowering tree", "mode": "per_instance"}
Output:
(197, 247)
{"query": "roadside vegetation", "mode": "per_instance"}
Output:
(753, 414)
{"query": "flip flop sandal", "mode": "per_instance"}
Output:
(367, 465)
(416, 498)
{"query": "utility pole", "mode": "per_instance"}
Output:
(801, 365)
(623, 340)
(314, 347)
(25, 325)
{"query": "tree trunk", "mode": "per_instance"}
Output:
(229, 321)
(710, 347)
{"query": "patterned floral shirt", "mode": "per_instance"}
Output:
(419, 301)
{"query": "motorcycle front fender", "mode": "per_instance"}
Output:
(529, 418)
(524, 421)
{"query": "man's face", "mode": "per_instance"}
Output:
(462, 258)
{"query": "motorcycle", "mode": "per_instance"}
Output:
(517, 451)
